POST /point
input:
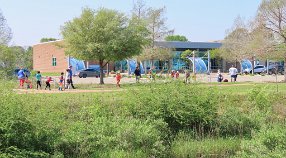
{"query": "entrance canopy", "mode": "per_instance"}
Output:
(200, 65)
(76, 64)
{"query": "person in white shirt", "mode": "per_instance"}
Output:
(67, 84)
(233, 73)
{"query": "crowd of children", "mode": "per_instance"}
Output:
(65, 79)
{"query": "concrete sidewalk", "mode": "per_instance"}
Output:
(200, 78)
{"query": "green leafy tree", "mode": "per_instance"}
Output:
(215, 53)
(104, 35)
(24, 57)
(7, 61)
(176, 38)
(184, 56)
(47, 40)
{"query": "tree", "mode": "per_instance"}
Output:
(272, 15)
(235, 46)
(5, 31)
(156, 24)
(139, 10)
(104, 35)
(7, 61)
(47, 40)
(176, 38)
(152, 53)
(24, 57)
(261, 41)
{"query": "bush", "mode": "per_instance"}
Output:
(269, 142)
(184, 147)
(259, 97)
(180, 106)
(234, 122)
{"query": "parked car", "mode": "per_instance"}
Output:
(88, 73)
(273, 69)
(26, 71)
(258, 69)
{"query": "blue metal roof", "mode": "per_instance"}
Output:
(188, 45)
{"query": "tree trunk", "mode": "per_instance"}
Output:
(101, 72)
(284, 69)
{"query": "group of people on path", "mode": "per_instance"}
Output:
(232, 72)
(64, 81)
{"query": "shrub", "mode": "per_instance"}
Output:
(179, 105)
(259, 97)
(234, 122)
(184, 147)
(269, 142)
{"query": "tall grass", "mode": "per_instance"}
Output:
(145, 120)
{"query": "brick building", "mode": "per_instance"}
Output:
(50, 57)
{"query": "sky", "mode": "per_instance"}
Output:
(198, 20)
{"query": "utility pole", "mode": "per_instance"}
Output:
(209, 65)
(194, 65)
(253, 64)
(267, 66)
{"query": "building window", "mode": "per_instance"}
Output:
(54, 61)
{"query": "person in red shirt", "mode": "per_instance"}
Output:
(48, 85)
(118, 78)
(173, 74)
(28, 82)
(177, 74)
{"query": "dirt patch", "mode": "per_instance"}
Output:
(230, 85)
(34, 91)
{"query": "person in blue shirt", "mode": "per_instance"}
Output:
(21, 77)
(137, 74)
(70, 75)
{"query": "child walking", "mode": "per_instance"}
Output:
(177, 74)
(67, 84)
(48, 85)
(118, 78)
(38, 79)
(187, 76)
(61, 82)
(219, 76)
(28, 82)
(173, 74)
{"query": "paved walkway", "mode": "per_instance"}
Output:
(200, 78)
(34, 91)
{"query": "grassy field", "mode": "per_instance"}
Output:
(146, 120)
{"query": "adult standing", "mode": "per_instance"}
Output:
(21, 77)
(137, 74)
(233, 73)
(70, 75)
(67, 78)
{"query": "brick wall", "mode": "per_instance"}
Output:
(43, 55)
